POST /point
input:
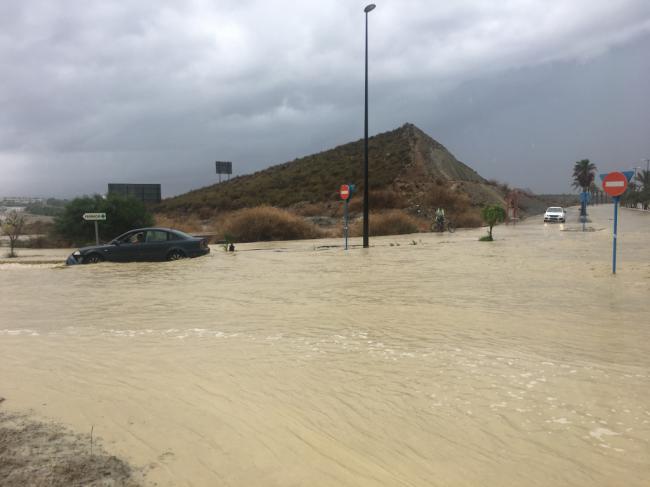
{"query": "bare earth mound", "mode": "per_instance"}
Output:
(41, 454)
(410, 172)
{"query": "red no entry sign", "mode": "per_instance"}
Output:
(344, 191)
(615, 183)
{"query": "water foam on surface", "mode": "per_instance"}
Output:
(450, 363)
(19, 332)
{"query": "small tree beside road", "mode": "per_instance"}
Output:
(492, 214)
(12, 226)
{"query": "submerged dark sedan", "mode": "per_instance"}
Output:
(143, 244)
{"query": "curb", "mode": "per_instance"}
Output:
(635, 209)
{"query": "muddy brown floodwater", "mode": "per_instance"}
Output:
(449, 362)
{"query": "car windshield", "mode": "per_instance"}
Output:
(555, 210)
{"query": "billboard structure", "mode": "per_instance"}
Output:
(147, 193)
(223, 167)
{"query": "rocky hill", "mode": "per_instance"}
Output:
(409, 171)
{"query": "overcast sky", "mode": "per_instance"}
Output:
(155, 91)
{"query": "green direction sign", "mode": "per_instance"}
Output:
(94, 216)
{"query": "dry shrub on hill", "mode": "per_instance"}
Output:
(187, 223)
(442, 196)
(380, 199)
(469, 218)
(264, 223)
(316, 209)
(392, 222)
(206, 213)
(503, 187)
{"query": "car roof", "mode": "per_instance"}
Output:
(165, 229)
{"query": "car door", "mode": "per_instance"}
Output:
(155, 245)
(129, 247)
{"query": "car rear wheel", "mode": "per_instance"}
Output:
(175, 255)
(92, 259)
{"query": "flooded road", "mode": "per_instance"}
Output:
(448, 362)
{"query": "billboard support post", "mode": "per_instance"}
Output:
(223, 167)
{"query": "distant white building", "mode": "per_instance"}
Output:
(6, 209)
(19, 200)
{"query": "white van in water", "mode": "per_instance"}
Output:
(555, 214)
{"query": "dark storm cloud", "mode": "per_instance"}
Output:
(155, 91)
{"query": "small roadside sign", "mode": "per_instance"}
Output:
(345, 192)
(94, 216)
(615, 183)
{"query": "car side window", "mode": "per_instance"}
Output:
(157, 236)
(134, 238)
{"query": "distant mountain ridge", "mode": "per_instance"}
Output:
(405, 160)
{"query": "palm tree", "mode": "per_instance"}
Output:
(583, 174)
(643, 181)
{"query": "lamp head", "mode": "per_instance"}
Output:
(369, 8)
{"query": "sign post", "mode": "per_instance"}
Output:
(344, 192)
(616, 200)
(95, 217)
(584, 201)
(615, 184)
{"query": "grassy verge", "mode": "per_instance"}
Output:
(36, 453)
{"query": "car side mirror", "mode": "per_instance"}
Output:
(115, 242)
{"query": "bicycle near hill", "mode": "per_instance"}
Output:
(442, 223)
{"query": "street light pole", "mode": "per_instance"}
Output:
(365, 143)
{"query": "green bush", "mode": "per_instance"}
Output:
(45, 209)
(122, 215)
